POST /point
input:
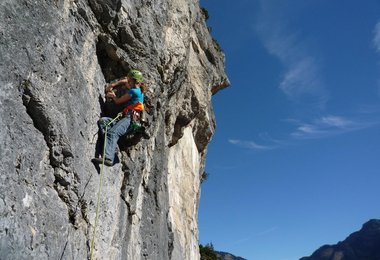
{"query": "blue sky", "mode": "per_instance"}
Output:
(295, 164)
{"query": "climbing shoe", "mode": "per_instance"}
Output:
(107, 162)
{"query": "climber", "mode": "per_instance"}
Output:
(133, 103)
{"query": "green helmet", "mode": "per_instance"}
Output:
(135, 74)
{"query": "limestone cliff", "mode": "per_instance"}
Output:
(55, 58)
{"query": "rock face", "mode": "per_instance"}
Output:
(361, 245)
(55, 58)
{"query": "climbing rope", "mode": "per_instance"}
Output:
(101, 183)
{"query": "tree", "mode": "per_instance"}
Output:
(204, 176)
(207, 252)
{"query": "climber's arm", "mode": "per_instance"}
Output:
(118, 100)
(110, 86)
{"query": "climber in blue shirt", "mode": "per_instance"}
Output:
(134, 104)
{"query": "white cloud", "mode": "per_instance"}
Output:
(321, 127)
(376, 43)
(258, 234)
(308, 129)
(327, 126)
(302, 78)
(376, 39)
(302, 74)
(336, 121)
(250, 145)
(267, 231)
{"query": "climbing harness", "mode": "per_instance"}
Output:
(135, 112)
(135, 124)
(120, 115)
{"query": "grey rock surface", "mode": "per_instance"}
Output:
(55, 58)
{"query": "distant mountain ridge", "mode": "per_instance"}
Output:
(227, 256)
(361, 245)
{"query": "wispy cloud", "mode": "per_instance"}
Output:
(259, 234)
(250, 145)
(335, 121)
(328, 126)
(302, 78)
(376, 43)
(325, 126)
(376, 39)
(302, 70)
(267, 231)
